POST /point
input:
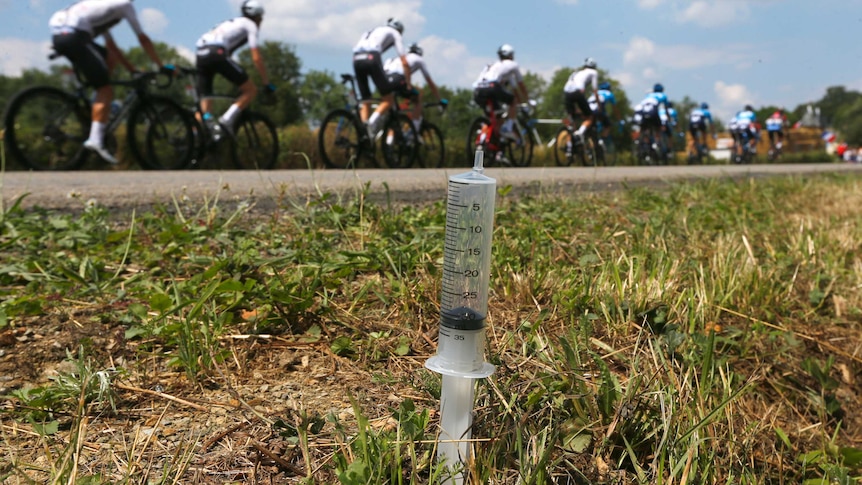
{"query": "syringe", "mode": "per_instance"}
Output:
(463, 308)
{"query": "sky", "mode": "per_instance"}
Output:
(724, 52)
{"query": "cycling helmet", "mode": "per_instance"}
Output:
(704, 106)
(506, 52)
(605, 85)
(252, 8)
(414, 48)
(658, 88)
(748, 107)
(395, 24)
(590, 62)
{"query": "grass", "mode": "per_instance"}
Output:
(698, 333)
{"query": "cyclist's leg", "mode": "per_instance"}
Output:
(234, 73)
(204, 62)
(584, 107)
(694, 146)
(416, 112)
(91, 60)
(378, 75)
(363, 65)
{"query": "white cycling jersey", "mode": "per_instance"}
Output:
(414, 61)
(231, 34)
(380, 39)
(505, 71)
(578, 80)
(95, 17)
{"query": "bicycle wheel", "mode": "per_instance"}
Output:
(45, 129)
(591, 155)
(432, 151)
(479, 136)
(399, 143)
(563, 147)
(160, 134)
(339, 139)
(520, 152)
(255, 142)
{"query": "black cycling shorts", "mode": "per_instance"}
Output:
(398, 83)
(578, 99)
(696, 128)
(494, 93)
(89, 59)
(212, 60)
(776, 133)
(651, 120)
(369, 65)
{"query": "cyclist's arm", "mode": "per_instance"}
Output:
(522, 96)
(433, 87)
(257, 59)
(406, 66)
(115, 54)
(149, 48)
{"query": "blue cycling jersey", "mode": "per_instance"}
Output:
(607, 96)
(674, 117)
(698, 116)
(746, 116)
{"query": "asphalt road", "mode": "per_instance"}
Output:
(141, 189)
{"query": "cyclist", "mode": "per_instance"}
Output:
(395, 77)
(746, 127)
(775, 125)
(502, 83)
(575, 92)
(74, 30)
(698, 121)
(652, 112)
(214, 50)
(671, 124)
(367, 62)
(598, 101)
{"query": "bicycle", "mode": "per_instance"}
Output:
(343, 139)
(253, 143)
(775, 149)
(46, 126)
(431, 151)
(517, 151)
(743, 151)
(586, 149)
(700, 152)
(650, 149)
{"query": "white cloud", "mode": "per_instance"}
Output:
(337, 23)
(185, 53)
(649, 4)
(19, 54)
(641, 51)
(450, 63)
(154, 20)
(732, 98)
(713, 13)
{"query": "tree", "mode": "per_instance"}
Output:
(283, 67)
(836, 99)
(319, 93)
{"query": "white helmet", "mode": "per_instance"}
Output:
(395, 24)
(252, 8)
(590, 62)
(506, 52)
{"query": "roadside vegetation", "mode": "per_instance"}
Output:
(705, 332)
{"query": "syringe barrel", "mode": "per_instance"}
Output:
(467, 251)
